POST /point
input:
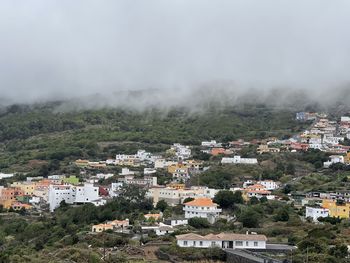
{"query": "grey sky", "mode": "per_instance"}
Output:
(65, 48)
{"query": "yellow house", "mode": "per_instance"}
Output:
(27, 188)
(18, 206)
(194, 164)
(335, 209)
(101, 227)
(176, 186)
(347, 158)
(7, 203)
(178, 168)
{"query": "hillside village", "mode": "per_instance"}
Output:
(181, 203)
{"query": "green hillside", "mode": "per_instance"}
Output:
(41, 133)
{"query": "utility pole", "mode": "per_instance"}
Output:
(104, 247)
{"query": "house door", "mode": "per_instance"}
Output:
(230, 244)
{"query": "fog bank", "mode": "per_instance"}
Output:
(184, 52)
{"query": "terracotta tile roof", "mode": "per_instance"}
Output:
(190, 236)
(152, 215)
(222, 236)
(201, 202)
(244, 237)
(103, 225)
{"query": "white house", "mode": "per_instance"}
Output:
(111, 162)
(58, 193)
(2, 175)
(330, 139)
(146, 181)
(126, 171)
(316, 212)
(182, 152)
(104, 176)
(258, 191)
(147, 171)
(333, 159)
(72, 194)
(86, 193)
(238, 160)
(211, 143)
(162, 163)
(114, 189)
(268, 184)
(345, 119)
(164, 230)
(202, 207)
(176, 222)
(222, 240)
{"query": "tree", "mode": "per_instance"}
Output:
(250, 218)
(287, 189)
(188, 199)
(253, 200)
(238, 198)
(339, 251)
(282, 214)
(290, 169)
(132, 193)
(198, 222)
(225, 198)
(263, 199)
(162, 205)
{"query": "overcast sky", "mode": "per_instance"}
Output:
(65, 48)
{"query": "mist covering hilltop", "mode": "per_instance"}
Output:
(174, 54)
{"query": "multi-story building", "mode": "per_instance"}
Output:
(179, 171)
(264, 148)
(267, 184)
(73, 194)
(337, 208)
(163, 163)
(174, 195)
(146, 181)
(28, 188)
(202, 207)
(258, 191)
(347, 158)
(8, 196)
(181, 152)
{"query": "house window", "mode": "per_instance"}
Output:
(194, 243)
(255, 244)
(247, 243)
(213, 243)
(239, 243)
(201, 243)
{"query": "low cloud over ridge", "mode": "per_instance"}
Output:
(180, 49)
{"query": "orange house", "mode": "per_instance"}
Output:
(8, 196)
